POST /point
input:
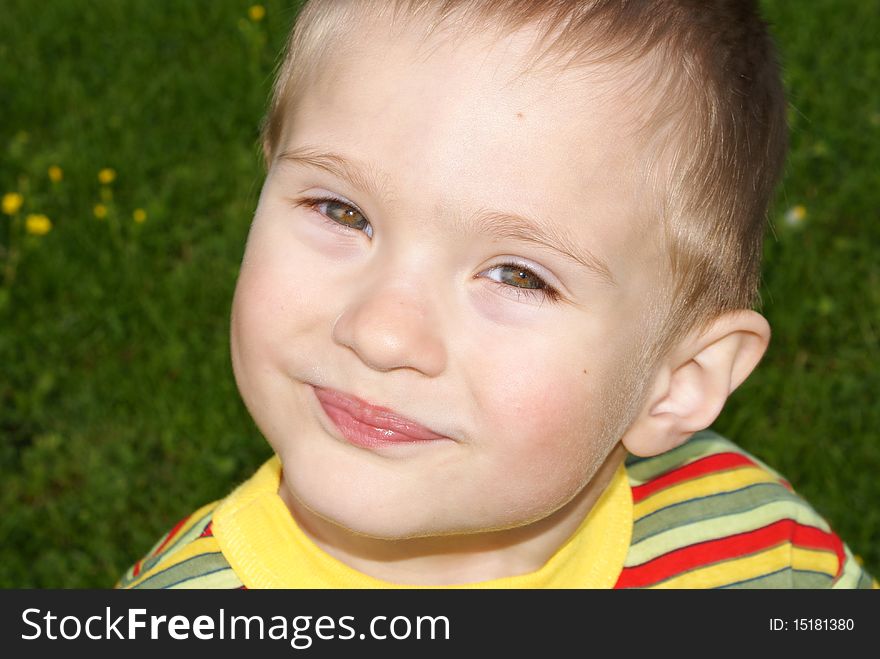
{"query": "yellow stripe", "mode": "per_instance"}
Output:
(714, 483)
(753, 566)
(715, 528)
(740, 569)
(191, 549)
(815, 560)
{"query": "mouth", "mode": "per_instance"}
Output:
(370, 426)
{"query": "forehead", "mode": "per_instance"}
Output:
(458, 123)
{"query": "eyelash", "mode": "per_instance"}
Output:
(544, 292)
(312, 203)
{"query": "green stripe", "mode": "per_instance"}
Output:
(853, 575)
(780, 579)
(787, 578)
(190, 568)
(194, 532)
(865, 581)
(717, 528)
(811, 579)
(702, 444)
(224, 578)
(692, 511)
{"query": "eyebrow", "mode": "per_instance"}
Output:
(498, 224)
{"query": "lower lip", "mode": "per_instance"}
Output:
(364, 435)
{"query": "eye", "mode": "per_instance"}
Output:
(338, 213)
(524, 282)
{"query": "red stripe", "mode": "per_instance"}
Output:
(137, 569)
(701, 467)
(734, 546)
(171, 534)
(208, 532)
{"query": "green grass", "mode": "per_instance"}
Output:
(118, 410)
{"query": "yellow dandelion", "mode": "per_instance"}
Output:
(12, 201)
(796, 215)
(107, 176)
(256, 12)
(55, 174)
(37, 224)
(106, 193)
(100, 211)
(139, 215)
(820, 148)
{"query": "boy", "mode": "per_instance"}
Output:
(501, 246)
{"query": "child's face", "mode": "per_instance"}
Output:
(414, 308)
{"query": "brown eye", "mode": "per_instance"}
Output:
(345, 215)
(521, 277)
(337, 213)
(521, 281)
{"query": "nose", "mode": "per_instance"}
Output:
(392, 328)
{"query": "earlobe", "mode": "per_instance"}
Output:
(691, 388)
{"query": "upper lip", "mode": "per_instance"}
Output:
(374, 415)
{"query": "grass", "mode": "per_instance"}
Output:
(118, 410)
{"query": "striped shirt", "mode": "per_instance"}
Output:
(704, 515)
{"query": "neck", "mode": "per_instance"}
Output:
(457, 559)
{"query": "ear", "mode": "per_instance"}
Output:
(693, 383)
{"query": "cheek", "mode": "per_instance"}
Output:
(540, 416)
(280, 288)
(278, 301)
(252, 340)
(256, 309)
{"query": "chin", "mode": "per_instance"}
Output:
(406, 525)
(370, 524)
(367, 500)
(392, 533)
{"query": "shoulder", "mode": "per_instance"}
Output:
(710, 515)
(187, 556)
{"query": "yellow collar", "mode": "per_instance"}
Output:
(267, 549)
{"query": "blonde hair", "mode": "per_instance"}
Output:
(717, 126)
